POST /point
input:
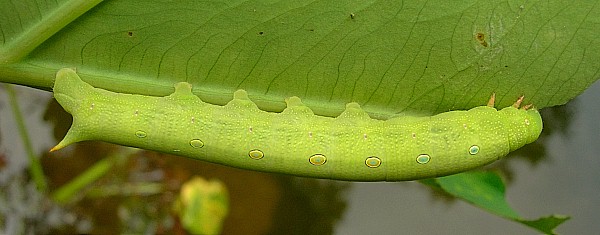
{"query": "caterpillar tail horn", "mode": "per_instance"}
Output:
(70, 91)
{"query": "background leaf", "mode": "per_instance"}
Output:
(486, 190)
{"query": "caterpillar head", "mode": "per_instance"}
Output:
(525, 126)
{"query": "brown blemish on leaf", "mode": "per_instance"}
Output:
(480, 37)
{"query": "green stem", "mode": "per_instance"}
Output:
(47, 26)
(66, 193)
(127, 189)
(35, 167)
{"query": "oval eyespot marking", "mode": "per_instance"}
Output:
(423, 159)
(196, 143)
(310, 134)
(474, 150)
(414, 135)
(141, 134)
(250, 129)
(465, 126)
(527, 122)
(136, 113)
(317, 159)
(373, 162)
(365, 136)
(92, 106)
(193, 120)
(256, 154)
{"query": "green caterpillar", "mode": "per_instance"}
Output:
(351, 146)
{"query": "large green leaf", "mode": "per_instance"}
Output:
(392, 57)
